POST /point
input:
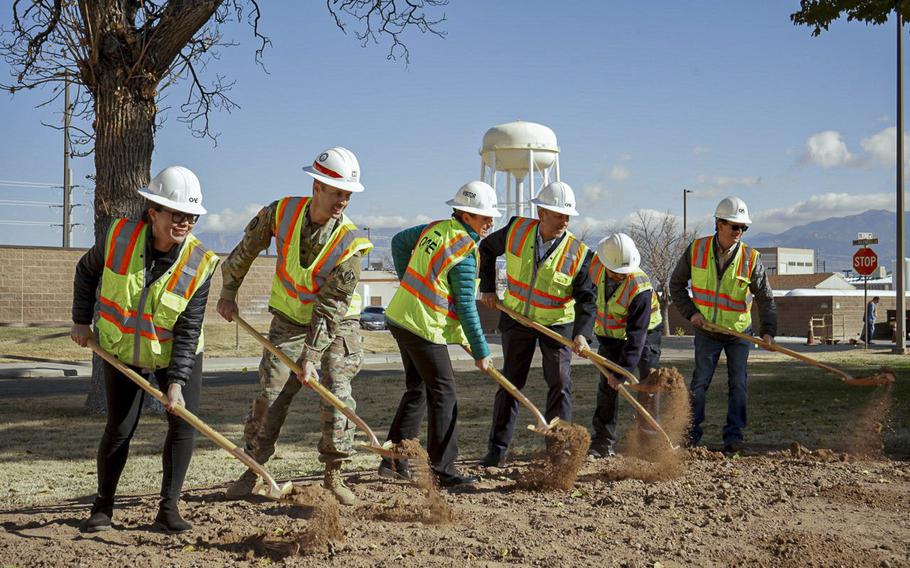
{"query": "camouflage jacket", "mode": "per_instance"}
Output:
(334, 297)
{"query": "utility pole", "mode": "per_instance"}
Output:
(367, 229)
(67, 178)
(900, 345)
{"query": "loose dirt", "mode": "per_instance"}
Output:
(432, 509)
(760, 510)
(645, 454)
(865, 436)
(557, 469)
(321, 528)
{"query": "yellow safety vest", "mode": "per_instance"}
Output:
(423, 303)
(541, 292)
(722, 301)
(613, 312)
(135, 323)
(295, 287)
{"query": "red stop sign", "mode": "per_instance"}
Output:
(865, 261)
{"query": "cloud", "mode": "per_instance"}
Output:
(820, 207)
(700, 150)
(593, 192)
(390, 221)
(625, 157)
(881, 147)
(716, 185)
(828, 150)
(228, 221)
(619, 173)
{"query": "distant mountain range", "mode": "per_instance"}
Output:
(832, 238)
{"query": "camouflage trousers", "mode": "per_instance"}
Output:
(340, 363)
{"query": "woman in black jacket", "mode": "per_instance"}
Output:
(154, 281)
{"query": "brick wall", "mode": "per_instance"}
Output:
(36, 286)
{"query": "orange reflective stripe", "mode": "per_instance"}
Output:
(113, 245)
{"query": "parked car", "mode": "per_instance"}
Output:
(373, 318)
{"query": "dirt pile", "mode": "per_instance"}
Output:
(865, 436)
(648, 455)
(800, 452)
(557, 469)
(434, 509)
(323, 526)
(882, 377)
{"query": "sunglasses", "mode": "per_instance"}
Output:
(178, 217)
(742, 228)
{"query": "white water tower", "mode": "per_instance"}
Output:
(526, 152)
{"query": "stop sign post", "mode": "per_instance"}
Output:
(865, 261)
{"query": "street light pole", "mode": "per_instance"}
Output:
(367, 229)
(67, 181)
(685, 213)
(900, 267)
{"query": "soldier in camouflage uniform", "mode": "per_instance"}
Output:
(331, 338)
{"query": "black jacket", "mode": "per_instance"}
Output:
(494, 245)
(188, 325)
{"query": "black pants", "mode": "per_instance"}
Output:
(606, 411)
(518, 345)
(124, 404)
(429, 387)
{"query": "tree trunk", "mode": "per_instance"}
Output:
(665, 310)
(124, 140)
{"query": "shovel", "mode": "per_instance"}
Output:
(883, 377)
(372, 444)
(265, 485)
(543, 427)
(600, 362)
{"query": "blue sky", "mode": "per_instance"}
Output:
(720, 97)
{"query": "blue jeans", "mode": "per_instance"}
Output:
(707, 353)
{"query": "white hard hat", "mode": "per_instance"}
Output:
(733, 209)
(337, 167)
(476, 197)
(177, 188)
(558, 197)
(619, 253)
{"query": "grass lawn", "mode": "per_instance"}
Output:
(50, 441)
(221, 340)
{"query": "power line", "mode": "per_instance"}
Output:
(29, 203)
(29, 184)
(30, 223)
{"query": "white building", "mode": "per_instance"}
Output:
(782, 260)
(377, 287)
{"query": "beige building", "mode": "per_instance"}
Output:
(782, 260)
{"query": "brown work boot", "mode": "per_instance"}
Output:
(334, 483)
(242, 488)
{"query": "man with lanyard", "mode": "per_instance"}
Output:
(315, 311)
(628, 330)
(723, 271)
(548, 282)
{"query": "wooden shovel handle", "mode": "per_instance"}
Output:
(186, 415)
(779, 348)
(507, 385)
(325, 393)
(587, 353)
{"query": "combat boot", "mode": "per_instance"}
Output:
(334, 483)
(242, 488)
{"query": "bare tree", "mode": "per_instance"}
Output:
(124, 55)
(661, 243)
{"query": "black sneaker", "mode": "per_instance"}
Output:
(456, 480)
(99, 521)
(493, 459)
(733, 449)
(397, 469)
